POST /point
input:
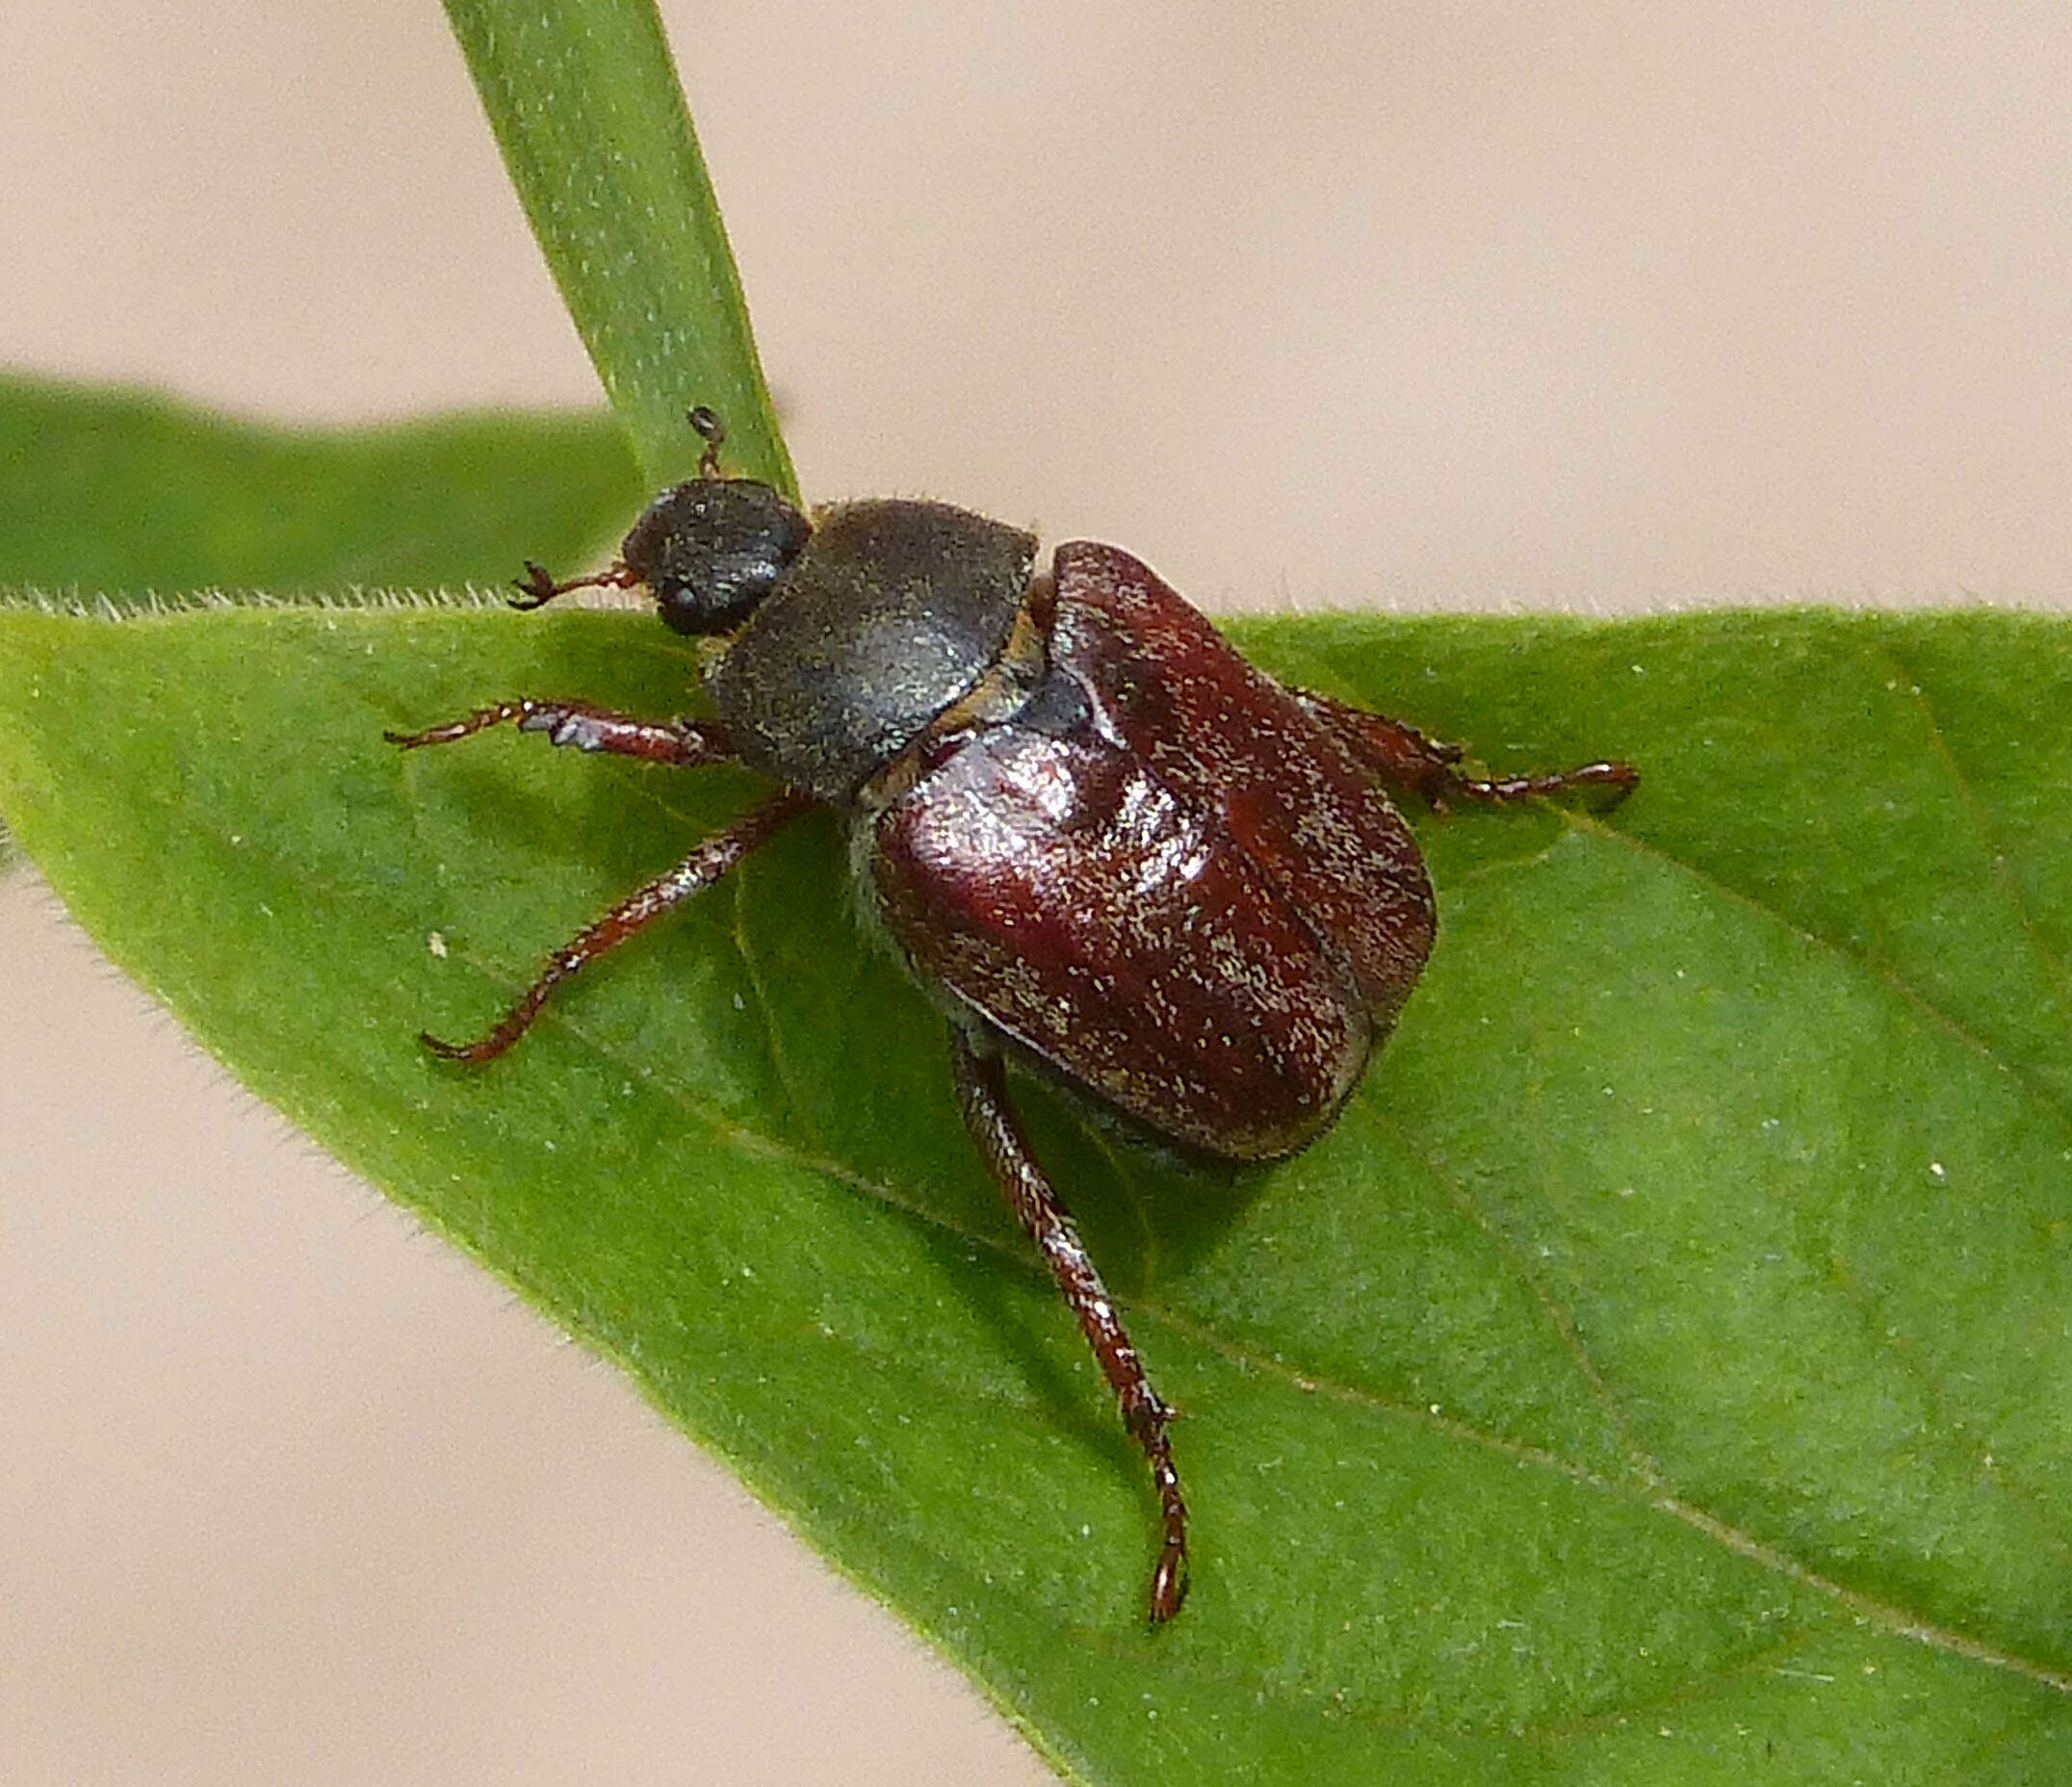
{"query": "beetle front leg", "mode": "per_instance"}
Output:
(585, 726)
(990, 1116)
(1405, 759)
(696, 872)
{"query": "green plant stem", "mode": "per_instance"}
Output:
(586, 104)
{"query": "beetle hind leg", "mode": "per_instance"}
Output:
(990, 1116)
(1405, 759)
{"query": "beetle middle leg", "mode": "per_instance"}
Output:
(696, 872)
(990, 1116)
(1405, 759)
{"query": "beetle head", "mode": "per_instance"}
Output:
(714, 548)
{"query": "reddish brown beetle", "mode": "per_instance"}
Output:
(1103, 842)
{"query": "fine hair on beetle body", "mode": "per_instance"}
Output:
(1103, 844)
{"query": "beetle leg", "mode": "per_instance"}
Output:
(990, 1116)
(696, 872)
(1405, 759)
(588, 726)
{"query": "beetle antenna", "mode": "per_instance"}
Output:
(712, 432)
(538, 587)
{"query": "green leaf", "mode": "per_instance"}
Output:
(584, 102)
(121, 494)
(1660, 1373)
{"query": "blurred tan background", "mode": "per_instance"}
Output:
(1605, 305)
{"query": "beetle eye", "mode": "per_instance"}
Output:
(711, 549)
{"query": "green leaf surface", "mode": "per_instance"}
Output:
(1663, 1372)
(584, 98)
(121, 494)
(126, 496)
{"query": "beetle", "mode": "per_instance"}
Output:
(1108, 848)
